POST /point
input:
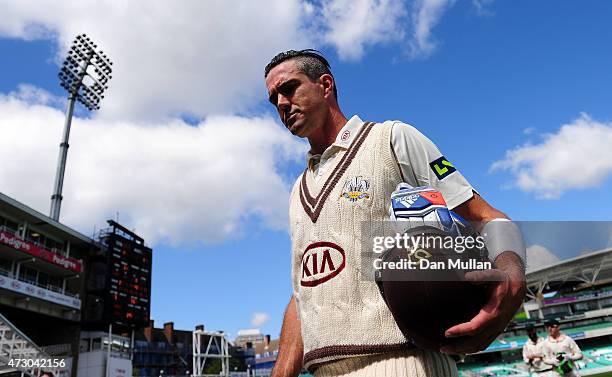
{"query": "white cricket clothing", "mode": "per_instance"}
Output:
(410, 363)
(342, 314)
(420, 165)
(414, 153)
(563, 344)
(531, 349)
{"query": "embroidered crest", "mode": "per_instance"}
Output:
(356, 188)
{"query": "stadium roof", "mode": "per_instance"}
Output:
(45, 223)
(587, 268)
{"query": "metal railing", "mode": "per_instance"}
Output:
(36, 243)
(56, 289)
(14, 344)
(58, 349)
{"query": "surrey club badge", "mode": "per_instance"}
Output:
(355, 189)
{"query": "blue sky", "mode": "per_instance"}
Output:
(515, 93)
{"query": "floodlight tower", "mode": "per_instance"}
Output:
(84, 74)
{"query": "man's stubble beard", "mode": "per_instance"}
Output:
(301, 128)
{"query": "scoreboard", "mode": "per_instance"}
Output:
(119, 280)
(129, 284)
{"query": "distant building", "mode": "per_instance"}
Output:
(162, 351)
(169, 352)
(253, 336)
(265, 356)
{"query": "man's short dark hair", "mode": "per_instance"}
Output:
(551, 323)
(309, 61)
(531, 329)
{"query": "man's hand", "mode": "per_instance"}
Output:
(506, 294)
(561, 356)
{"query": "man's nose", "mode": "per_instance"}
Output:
(283, 103)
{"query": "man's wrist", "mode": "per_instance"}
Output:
(511, 263)
(513, 266)
(501, 235)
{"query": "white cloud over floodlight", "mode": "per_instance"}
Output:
(206, 61)
(207, 57)
(171, 181)
(578, 156)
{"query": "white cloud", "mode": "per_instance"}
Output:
(170, 181)
(578, 156)
(195, 57)
(529, 130)
(259, 319)
(201, 57)
(34, 95)
(481, 7)
(426, 14)
(351, 25)
(538, 256)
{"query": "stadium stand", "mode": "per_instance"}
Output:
(578, 293)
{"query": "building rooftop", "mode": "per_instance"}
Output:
(586, 268)
(47, 224)
(249, 332)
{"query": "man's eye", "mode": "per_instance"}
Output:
(274, 99)
(288, 89)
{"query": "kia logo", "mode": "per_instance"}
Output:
(321, 261)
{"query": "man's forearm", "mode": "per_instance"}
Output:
(576, 356)
(291, 349)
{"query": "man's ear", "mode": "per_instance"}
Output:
(328, 84)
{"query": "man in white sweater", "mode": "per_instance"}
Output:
(533, 355)
(337, 324)
(561, 351)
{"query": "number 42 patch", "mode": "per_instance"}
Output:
(442, 168)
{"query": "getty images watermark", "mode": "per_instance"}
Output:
(421, 252)
(386, 252)
(417, 251)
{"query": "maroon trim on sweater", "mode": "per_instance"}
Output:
(313, 206)
(350, 350)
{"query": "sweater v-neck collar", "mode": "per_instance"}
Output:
(314, 205)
